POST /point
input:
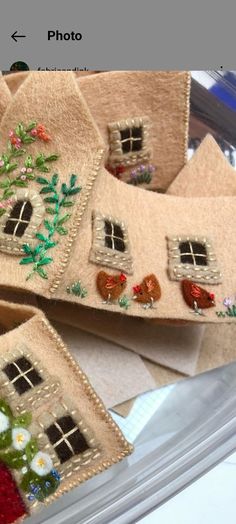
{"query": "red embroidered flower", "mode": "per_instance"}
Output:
(122, 277)
(40, 132)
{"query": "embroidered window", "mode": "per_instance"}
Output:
(24, 380)
(110, 246)
(193, 258)
(22, 375)
(129, 141)
(18, 225)
(19, 218)
(66, 438)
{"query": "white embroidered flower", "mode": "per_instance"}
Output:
(4, 422)
(20, 438)
(41, 464)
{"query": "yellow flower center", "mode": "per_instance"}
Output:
(20, 438)
(41, 463)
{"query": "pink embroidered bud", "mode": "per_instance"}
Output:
(11, 133)
(23, 177)
(133, 174)
(23, 170)
(142, 168)
(1, 163)
(29, 170)
(34, 132)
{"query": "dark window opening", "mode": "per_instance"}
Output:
(131, 139)
(193, 253)
(66, 438)
(114, 236)
(19, 218)
(22, 375)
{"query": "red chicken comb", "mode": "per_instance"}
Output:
(122, 277)
(212, 296)
(136, 289)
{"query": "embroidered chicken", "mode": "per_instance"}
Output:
(196, 297)
(110, 287)
(148, 292)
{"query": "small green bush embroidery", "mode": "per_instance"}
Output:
(16, 172)
(230, 308)
(77, 289)
(124, 302)
(58, 202)
(20, 451)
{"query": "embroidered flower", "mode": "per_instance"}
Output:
(40, 132)
(20, 438)
(4, 422)
(1, 163)
(227, 302)
(41, 464)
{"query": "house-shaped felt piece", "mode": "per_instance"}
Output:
(71, 231)
(54, 432)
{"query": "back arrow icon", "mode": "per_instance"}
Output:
(15, 36)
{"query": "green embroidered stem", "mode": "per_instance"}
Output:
(77, 290)
(38, 255)
(144, 178)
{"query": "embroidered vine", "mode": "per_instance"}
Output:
(59, 201)
(20, 451)
(18, 175)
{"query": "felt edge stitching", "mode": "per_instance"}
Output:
(186, 115)
(77, 220)
(99, 409)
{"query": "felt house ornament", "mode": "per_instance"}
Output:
(65, 219)
(54, 433)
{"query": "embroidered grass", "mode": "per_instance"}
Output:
(124, 302)
(59, 201)
(77, 289)
(230, 310)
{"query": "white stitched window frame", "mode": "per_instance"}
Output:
(116, 155)
(57, 410)
(11, 243)
(36, 395)
(178, 270)
(106, 256)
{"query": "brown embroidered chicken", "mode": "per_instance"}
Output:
(148, 292)
(110, 287)
(196, 297)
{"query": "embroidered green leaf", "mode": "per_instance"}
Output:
(41, 180)
(61, 230)
(11, 167)
(4, 184)
(26, 260)
(63, 219)
(5, 439)
(28, 161)
(124, 302)
(44, 261)
(22, 421)
(4, 408)
(46, 189)
(28, 139)
(49, 244)
(31, 126)
(51, 158)
(41, 272)
(51, 200)
(2, 211)
(68, 204)
(39, 236)
(40, 159)
(64, 189)
(55, 179)
(44, 169)
(13, 459)
(20, 183)
(73, 179)
(48, 226)
(51, 211)
(27, 249)
(31, 449)
(74, 190)
(77, 290)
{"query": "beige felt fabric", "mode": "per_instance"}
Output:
(173, 347)
(5, 96)
(116, 373)
(162, 96)
(14, 80)
(35, 334)
(76, 138)
(150, 218)
(208, 173)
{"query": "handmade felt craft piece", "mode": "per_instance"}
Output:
(143, 117)
(54, 433)
(64, 218)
